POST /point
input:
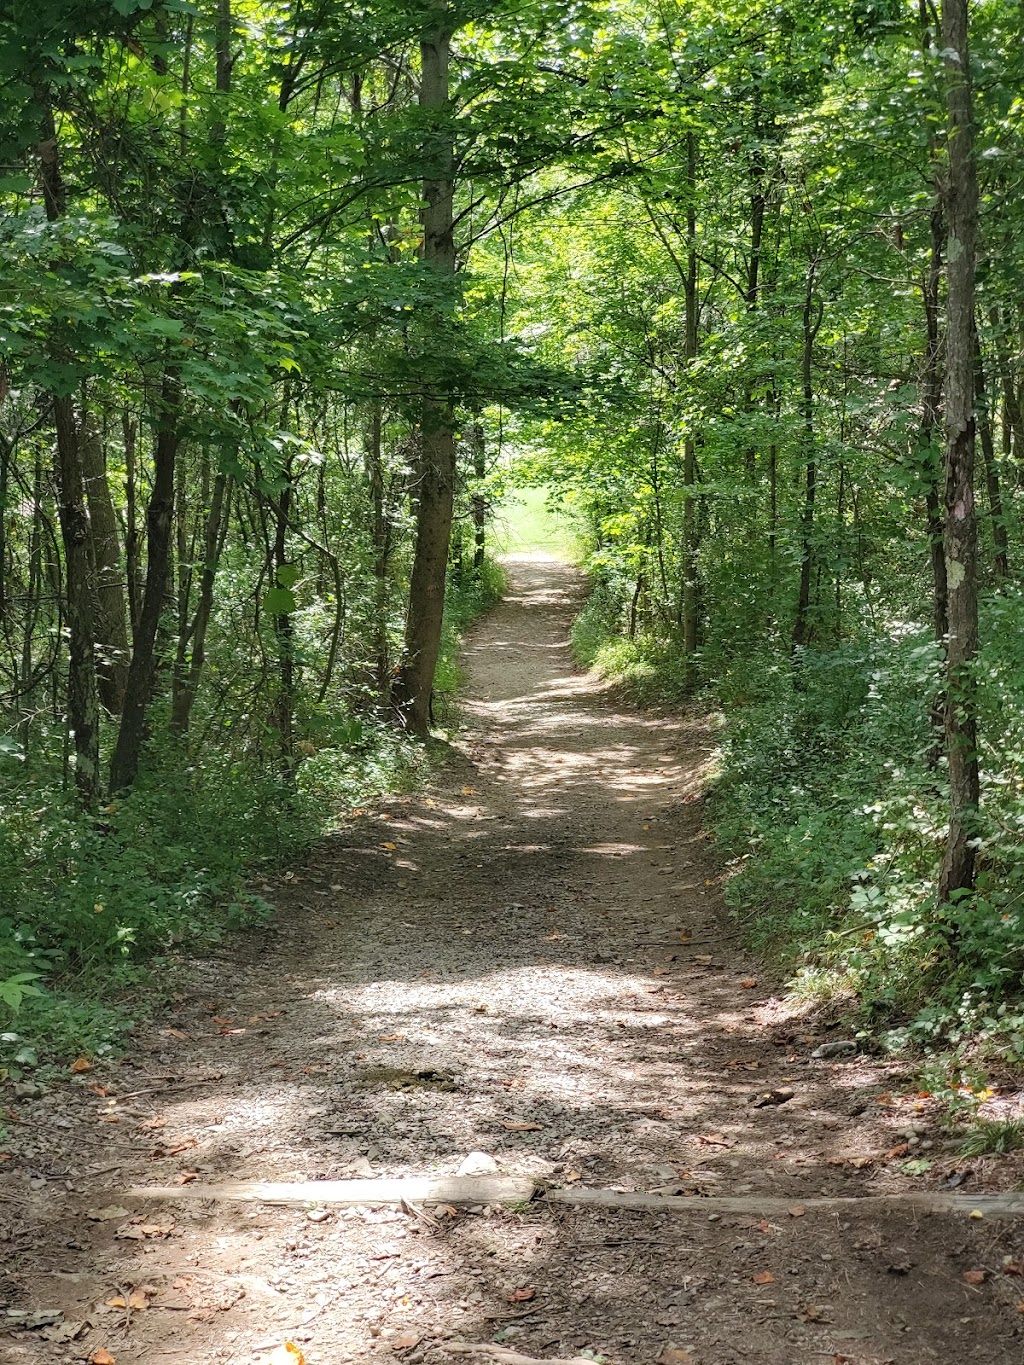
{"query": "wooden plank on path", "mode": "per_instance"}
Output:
(444, 1189)
(510, 1189)
(989, 1205)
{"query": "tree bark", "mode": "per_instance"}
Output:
(83, 700)
(124, 765)
(111, 627)
(436, 500)
(960, 535)
(811, 322)
(993, 486)
(691, 583)
(475, 438)
(186, 685)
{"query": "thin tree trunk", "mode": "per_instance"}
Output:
(436, 500)
(931, 416)
(187, 683)
(284, 629)
(381, 533)
(691, 544)
(83, 699)
(960, 539)
(110, 624)
(811, 323)
(475, 436)
(1001, 557)
(159, 526)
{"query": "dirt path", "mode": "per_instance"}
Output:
(528, 961)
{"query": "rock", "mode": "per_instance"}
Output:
(28, 1090)
(842, 1047)
(478, 1163)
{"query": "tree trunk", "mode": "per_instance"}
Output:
(1001, 557)
(159, 524)
(186, 685)
(931, 415)
(284, 629)
(960, 538)
(475, 436)
(436, 500)
(811, 322)
(83, 700)
(110, 623)
(691, 583)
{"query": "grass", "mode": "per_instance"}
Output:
(524, 523)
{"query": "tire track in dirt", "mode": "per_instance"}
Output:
(528, 961)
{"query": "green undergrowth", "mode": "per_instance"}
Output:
(97, 910)
(649, 670)
(829, 809)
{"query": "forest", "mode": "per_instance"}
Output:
(296, 294)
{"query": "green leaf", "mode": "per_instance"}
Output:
(287, 575)
(279, 601)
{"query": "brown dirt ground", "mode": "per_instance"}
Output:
(541, 932)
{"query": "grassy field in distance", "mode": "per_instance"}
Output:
(523, 522)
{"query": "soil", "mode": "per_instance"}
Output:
(528, 960)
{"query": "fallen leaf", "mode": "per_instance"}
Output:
(232, 1032)
(63, 1331)
(136, 1300)
(975, 1276)
(405, 1341)
(174, 1033)
(97, 1089)
(571, 1176)
(515, 1127)
(748, 983)
(763, 1277)
(81, 1064)
(186, 1177)
(389, 846)
(763, 1225)
(172, 1147)
(288, 1354)
(522, 1295)
(716, 1140)
(157, 1121)
(392, 1038)
(102, 1357)
(796, 1210)
(703, 959)
(673, 1355)
(138, 1232)
(814, 1312)
(107, 1213)
(901, 1149)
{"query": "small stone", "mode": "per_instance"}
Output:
(842, 1047)
(478, 1163)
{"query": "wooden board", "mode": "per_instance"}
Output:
(508, 1189)
(990, 1205)
(450, 1189)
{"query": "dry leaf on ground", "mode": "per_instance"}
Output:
(763, 1277)
(405, 1341)
(522, 1295)
(102, 1357)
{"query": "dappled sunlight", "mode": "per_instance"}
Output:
(570, 1006)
